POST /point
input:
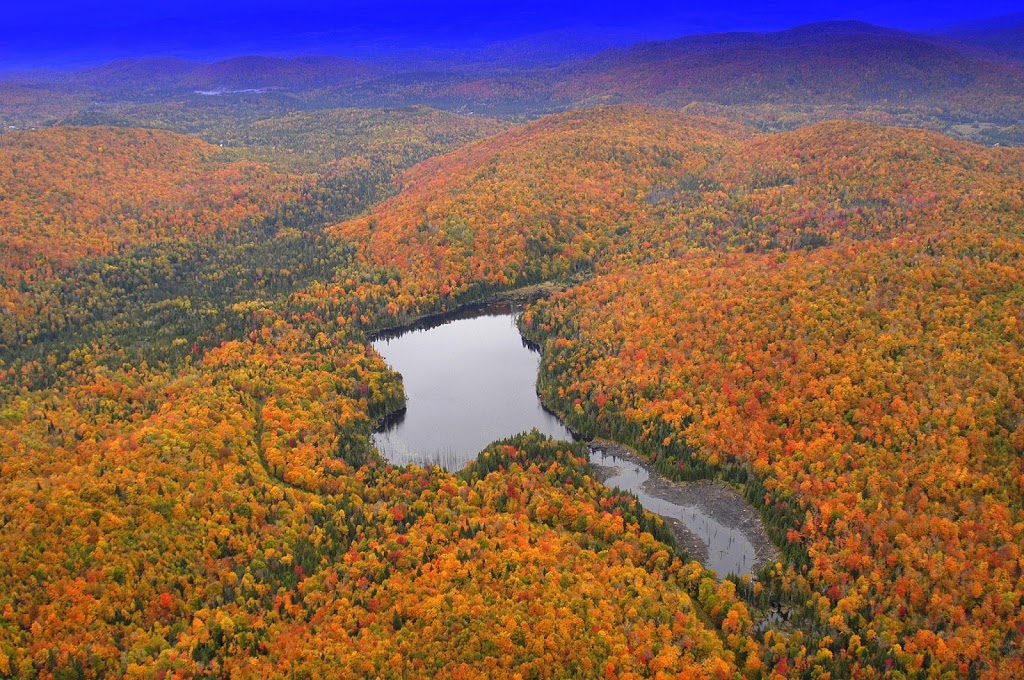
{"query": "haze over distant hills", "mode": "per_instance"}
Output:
(1003, 35)
(237, 73)
(68, 34)
(834, 61)
(966, 82)
(843, 55)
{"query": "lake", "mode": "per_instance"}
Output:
(468, 382)
(471, 381)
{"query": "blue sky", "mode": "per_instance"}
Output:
(58, 31)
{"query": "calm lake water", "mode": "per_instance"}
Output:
(468, 383)
(472, 381)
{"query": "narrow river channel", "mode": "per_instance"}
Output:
(471, 381)
(689, 508)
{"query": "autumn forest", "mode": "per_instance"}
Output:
(791, 263)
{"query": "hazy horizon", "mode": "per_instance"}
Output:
(69, 35)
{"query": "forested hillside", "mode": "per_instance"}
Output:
(828, 318)
(874, 392)
(76, 193)
(847, 63)
(968, 83)
(200, 517)
(142, 238)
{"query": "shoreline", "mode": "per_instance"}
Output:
(715, 498)
(491, 303)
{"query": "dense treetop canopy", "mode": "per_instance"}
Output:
(824, 313)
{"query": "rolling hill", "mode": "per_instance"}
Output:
(610, 186)
(145, 76)
(830, 65)
(142, 184)
(824, 314)
(828, 318)
(774, 81)
(1002, 35)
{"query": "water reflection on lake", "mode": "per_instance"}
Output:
(468, 382)
(471, 381)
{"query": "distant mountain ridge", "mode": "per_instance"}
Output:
(236, 73)
(838, 61)
(1003, 35)
(825, 59)
(775, 80)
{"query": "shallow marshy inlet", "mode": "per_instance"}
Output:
(710, 520)
(471, 381)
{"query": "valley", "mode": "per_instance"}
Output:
(747, 398)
